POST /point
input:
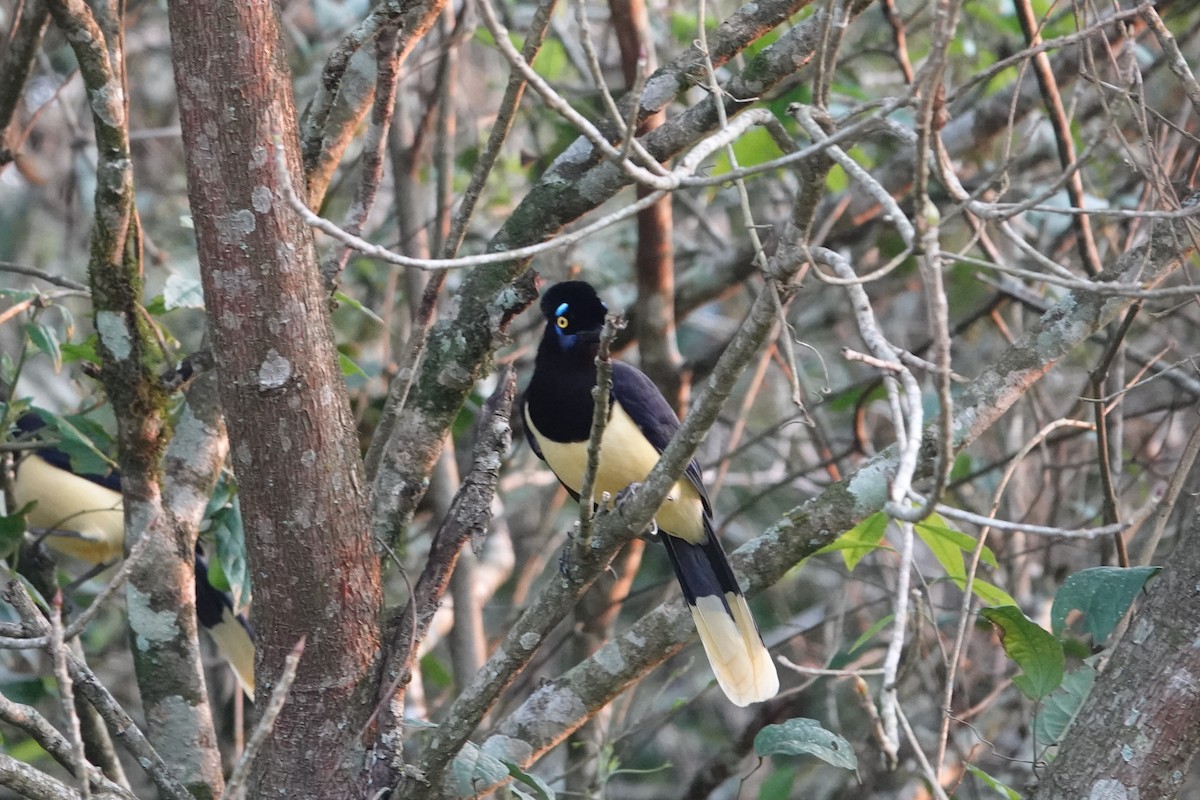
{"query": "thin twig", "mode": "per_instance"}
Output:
(38, 728)
(235, 789)
(686, 166)
(505, 117)
(931, 777)
(1089, 255)
(1105, 447)
(964, 616)
(1178, 479)
(1135, 519)
(1175, 60)
(81, 621)
(387, 60)
(66, 697)
(41, 275)
(88, 685)
(601, 395)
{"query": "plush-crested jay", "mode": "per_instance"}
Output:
(84, 518)
(558, 420)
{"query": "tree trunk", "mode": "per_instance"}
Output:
(1138, 730)
(314, 570)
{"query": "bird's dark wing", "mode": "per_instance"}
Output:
(647, 407)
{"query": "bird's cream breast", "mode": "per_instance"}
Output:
(625, 457)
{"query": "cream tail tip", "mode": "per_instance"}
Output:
(739, 659)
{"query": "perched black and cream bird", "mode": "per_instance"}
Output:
(83, 517)
(558, 420)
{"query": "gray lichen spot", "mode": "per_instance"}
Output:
(1109, 789)
(114, 333)
(455, 376)
(579, 152)
(177, 720)
(148, 625)
(274, 371)
(258, 157)
(506, 748)
(609, 658)
(79, 33)
(635, 640)
(242, 455)
(260, 198)
(1126, 753)
(107, 102)
(231, 321)
(233, 227)
(1142, 630)
(191, 433)
(187, 499)
(546, 711)
(529, 640)
(1132, 717)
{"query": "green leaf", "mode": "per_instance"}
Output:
(1059, 709)
(229, 571)
(1103, 594)
(860, 540)
(989, 593)
(350, 302)
(800, 736)
(551, 61)
(16, 296)
(83, 351)
(28, 691)
(541, 791)
(963, 466)
(951, 548)
(1038, 654)
(870, 632)
(936, 532)
(991, 782)
(473, 769)
(436, 673)
(46, 340)
(12, 528)
(157, 306)
(778, 784)
(349, 368)
(416, 723)
(86, 458)
(752, 148)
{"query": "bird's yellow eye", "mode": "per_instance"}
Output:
(562, 322)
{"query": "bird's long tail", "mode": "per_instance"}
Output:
(740, 660)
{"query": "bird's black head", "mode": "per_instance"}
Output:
(574, 313)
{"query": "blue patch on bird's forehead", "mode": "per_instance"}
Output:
(562, 309)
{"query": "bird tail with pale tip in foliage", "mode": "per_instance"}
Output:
(739, 659)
